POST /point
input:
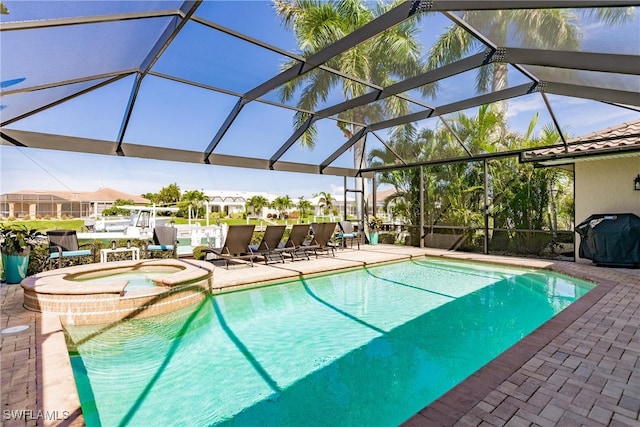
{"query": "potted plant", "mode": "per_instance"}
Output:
(16, 243)
(374, 224)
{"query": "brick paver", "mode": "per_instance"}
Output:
(18, 391)
(580, 368)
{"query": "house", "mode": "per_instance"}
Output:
(606, 164)
(231, 202)
(381, 197)
(30, 204)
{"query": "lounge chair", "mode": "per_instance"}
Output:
(165, 239)
(347, 232)
(268, 247)
(294, 244)
(321, 238)
(236, 245)
(64, 244)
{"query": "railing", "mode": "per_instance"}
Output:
(522, 242)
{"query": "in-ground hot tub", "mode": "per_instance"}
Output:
(104, 293)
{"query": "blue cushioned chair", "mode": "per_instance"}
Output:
(64, 244)
(165, 239)
(346, 232)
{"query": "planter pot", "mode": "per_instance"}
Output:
(373, 237)
(15, 267)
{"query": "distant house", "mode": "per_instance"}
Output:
(381, 197)
(30, 204)
(230, 202)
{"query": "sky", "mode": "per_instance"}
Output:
(167, 116)
(34, 169)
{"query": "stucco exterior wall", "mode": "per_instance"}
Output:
(605, 186)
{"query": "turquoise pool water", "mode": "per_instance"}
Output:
(365, 347)
(135, 279)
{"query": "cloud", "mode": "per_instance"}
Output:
(529, 105)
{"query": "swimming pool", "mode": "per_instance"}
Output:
(365, 347)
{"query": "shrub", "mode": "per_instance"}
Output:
(38, 259)
(198, 252)
(18, 240)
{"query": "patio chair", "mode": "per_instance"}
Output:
(165, 239)
(294, 244)
(64, 244)
(268, 247)
(321, 239)
(236, 245)
(346, 232)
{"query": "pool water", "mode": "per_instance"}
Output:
(135, 279)
(365, 347)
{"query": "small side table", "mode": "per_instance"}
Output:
(104, 253)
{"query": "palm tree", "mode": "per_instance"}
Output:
(304, 206)
(281, 204)
(556, 29)
(194, 201)
(256, 203)
(169, 195)
(325, 201)
(411, 146)
(395, 53)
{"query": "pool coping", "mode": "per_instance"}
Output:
(56, 391)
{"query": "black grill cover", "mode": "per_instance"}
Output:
(611, 239)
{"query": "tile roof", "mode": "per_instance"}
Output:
(624, 137)
(102, 195)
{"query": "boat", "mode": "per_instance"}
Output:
(139, 225)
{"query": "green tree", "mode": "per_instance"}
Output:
(519, 192)
(3, 9)
(454, 194)
(115, 210)
(281, 204)
(256, 204)
(193, 200)
(409, 145)
(169, 195)
(154, 198)
(380, 60)
(556, 29)
(304, 206)
(325, 201)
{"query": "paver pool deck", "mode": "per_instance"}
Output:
(580, 368)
